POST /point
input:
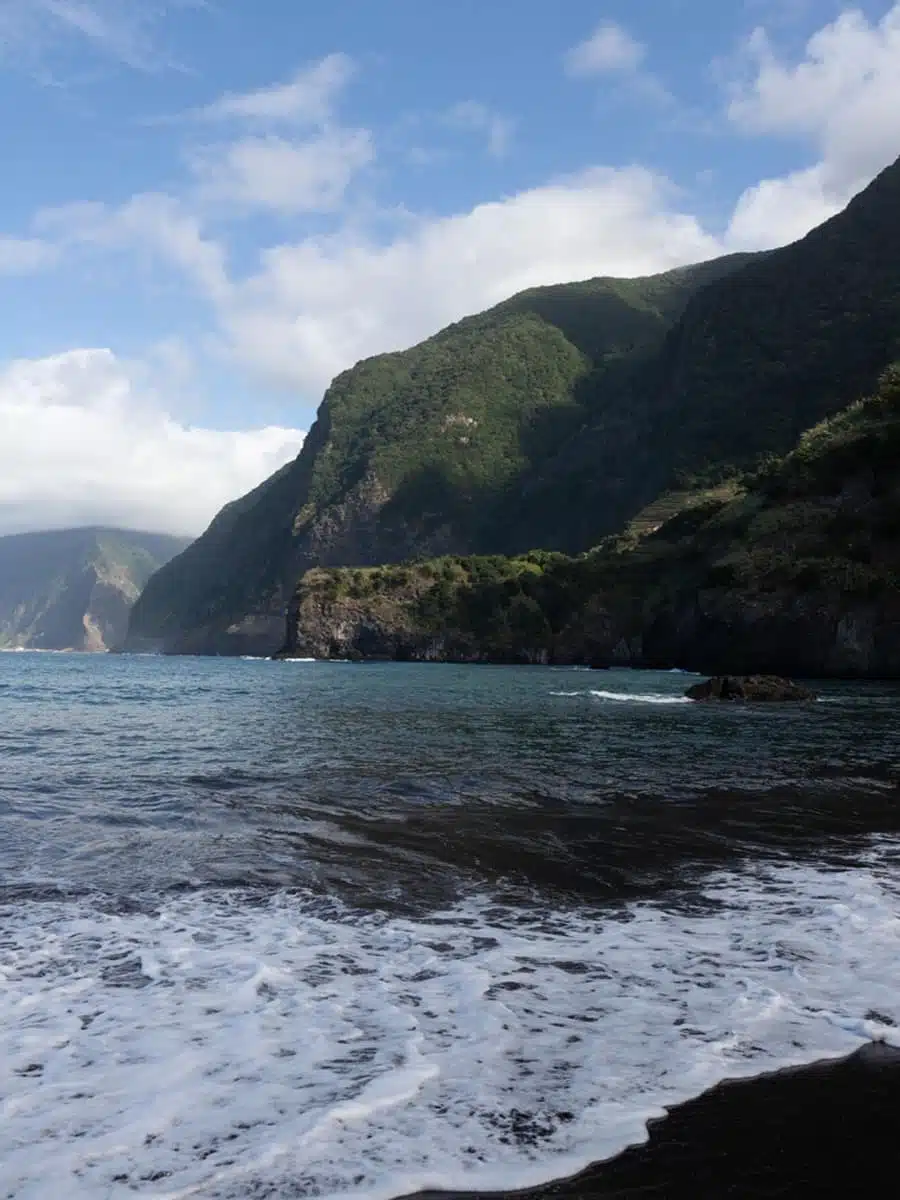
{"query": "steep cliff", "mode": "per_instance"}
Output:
(757, 357)
(73, 589)
(551, 421)
(421, 452)
(794, 568)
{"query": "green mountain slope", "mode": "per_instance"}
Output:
(795, 567)
(414, 452)
(72, 589)
(552, 420)
(757, 357)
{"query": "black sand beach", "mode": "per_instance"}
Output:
(828, 1130)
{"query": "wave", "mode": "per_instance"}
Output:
(268, 658)
(629, 697)
(233, 1044)
(44, 650)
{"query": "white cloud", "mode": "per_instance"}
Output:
(843, 99)
(123, 30)
(284, 176)
(260, 169)
(153, 220)
(496, 129)
(22, 256)
(313, 307)
(612, 51)
(85, 442)
(307, 99)
(778, 211)
(317, 307)
(609, 48)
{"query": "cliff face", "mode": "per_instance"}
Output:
(814, 634)
(73, 589)
(817, 636)
(551, 421)
(795, 568)
(424, 452)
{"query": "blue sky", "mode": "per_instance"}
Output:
(212, 206)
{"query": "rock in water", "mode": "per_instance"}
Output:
(742, 688)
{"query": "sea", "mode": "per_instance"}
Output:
(303, 929)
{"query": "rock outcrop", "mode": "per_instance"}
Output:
(794, 569)
(749, 689)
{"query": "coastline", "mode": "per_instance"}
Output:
(831, 1128)
(699, 672)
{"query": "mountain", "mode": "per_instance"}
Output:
(551, 420)
(756, 358)
(794, 567)
(73, 589)
(413, 452)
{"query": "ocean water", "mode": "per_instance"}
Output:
(318, 929)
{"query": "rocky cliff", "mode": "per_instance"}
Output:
(421, 452)
(793, 568)
(551, 421)
(73, 589)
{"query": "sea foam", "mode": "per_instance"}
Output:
(233, 1044)
(629, 697)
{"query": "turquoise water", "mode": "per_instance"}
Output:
(281, 929)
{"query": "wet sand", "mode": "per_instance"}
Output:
(828, 1130)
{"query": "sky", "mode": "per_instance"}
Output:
(211, 207)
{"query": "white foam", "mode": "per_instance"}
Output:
(223, 1046)
(629, 697)
(38, 650)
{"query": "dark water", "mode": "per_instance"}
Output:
(321, 929)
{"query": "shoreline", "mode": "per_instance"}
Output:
(831, 1128)
(649, 668)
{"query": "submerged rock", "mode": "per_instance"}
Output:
(742, 688)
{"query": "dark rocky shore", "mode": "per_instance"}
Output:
(828, 1130)
(739, 689)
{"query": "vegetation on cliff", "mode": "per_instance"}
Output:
(555, 418)
(757, 357)
(73, 588)
(805, 541)
(423, 450)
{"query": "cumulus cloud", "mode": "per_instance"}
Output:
(84, 442)
(308, 98)
(841, 98)
(609, 48)
(283, 176)
(314, 306)
(778, 211)
(317, 306)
